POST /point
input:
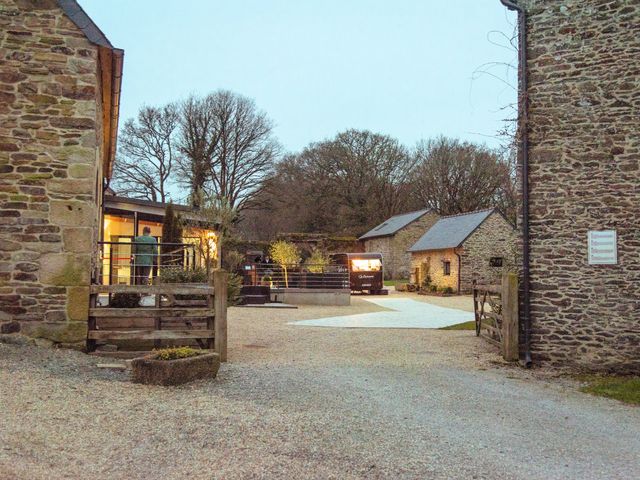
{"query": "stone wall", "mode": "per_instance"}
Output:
(584, 131)
(496, 237)
(432, 263)
(397, 260)
(49, 159)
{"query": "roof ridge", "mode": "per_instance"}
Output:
(412, 211)
(468, 213)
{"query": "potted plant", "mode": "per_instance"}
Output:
(174, 366)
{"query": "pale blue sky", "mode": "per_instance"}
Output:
(398, 67)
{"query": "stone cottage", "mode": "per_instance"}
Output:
(459, 249)
(60, 83)
(580, 151)
(394, 236)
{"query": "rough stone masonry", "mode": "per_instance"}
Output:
(50, 150)
(584, 127)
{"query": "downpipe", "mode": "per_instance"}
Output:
(524, 149)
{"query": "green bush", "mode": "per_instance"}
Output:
(175, 353)
(199, 275)
(447, 290)
(433, 288)
(125, 300)
(177, 275)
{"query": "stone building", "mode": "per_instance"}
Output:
(459, 249)
(582, 148)
(394, 236)
(59, 93)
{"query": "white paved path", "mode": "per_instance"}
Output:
(404, 313)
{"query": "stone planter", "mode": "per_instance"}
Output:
(151, 371)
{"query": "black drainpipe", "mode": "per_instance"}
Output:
(524, 149)
(459, 268)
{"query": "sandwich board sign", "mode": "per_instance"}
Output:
(603, 247)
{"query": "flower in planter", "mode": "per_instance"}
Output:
(174, 366)
(175, 353)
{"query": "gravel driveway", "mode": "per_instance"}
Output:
(312, 402)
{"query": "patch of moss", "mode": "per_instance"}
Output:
(71, 274)
(58, 332)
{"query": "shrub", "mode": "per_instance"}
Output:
(426, 282)
(447, 290)
(234, 284)
(175, 353)
(177, 275)
(433, 288)
(317, 261)
(171, 233)
(125, 300)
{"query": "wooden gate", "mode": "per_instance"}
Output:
(496, 314)
(203, 319)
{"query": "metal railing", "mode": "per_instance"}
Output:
(123, 263)
(297, 276)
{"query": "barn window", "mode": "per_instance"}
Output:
(446, 266)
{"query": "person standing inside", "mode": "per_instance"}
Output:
(145, 250)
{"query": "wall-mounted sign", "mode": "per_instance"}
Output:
(495, 262)
(603, 247)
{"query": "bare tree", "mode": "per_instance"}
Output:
(147, 154)
(343, 185)
(228, 146)
(198, 142)
(456, 177)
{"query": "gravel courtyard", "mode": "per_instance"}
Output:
(310, 402)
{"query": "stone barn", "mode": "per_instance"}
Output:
(580, 154)
(60, 83)
(394, 236)
(459, 249)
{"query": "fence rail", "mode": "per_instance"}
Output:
(122, 262)
(298, 276)
(202, 317)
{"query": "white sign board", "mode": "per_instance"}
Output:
(603, 247)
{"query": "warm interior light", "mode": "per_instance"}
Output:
(366, 265)
(212, 242)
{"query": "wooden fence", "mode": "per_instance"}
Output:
(202, 317)
(496, 314)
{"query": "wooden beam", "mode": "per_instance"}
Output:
(510, 317)
(161, 289)
(490, 288)
(144, 312)
(220, 306)
(148, 334)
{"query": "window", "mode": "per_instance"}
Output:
(446, 267)
(366, 265)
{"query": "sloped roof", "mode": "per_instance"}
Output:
(451, 231)
(393, 224)
(78, 16)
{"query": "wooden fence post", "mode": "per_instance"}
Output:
(220, 309)
(510, 317)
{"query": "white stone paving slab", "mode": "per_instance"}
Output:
(406, 313)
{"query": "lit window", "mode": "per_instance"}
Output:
(366, 265)
(446, 266)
